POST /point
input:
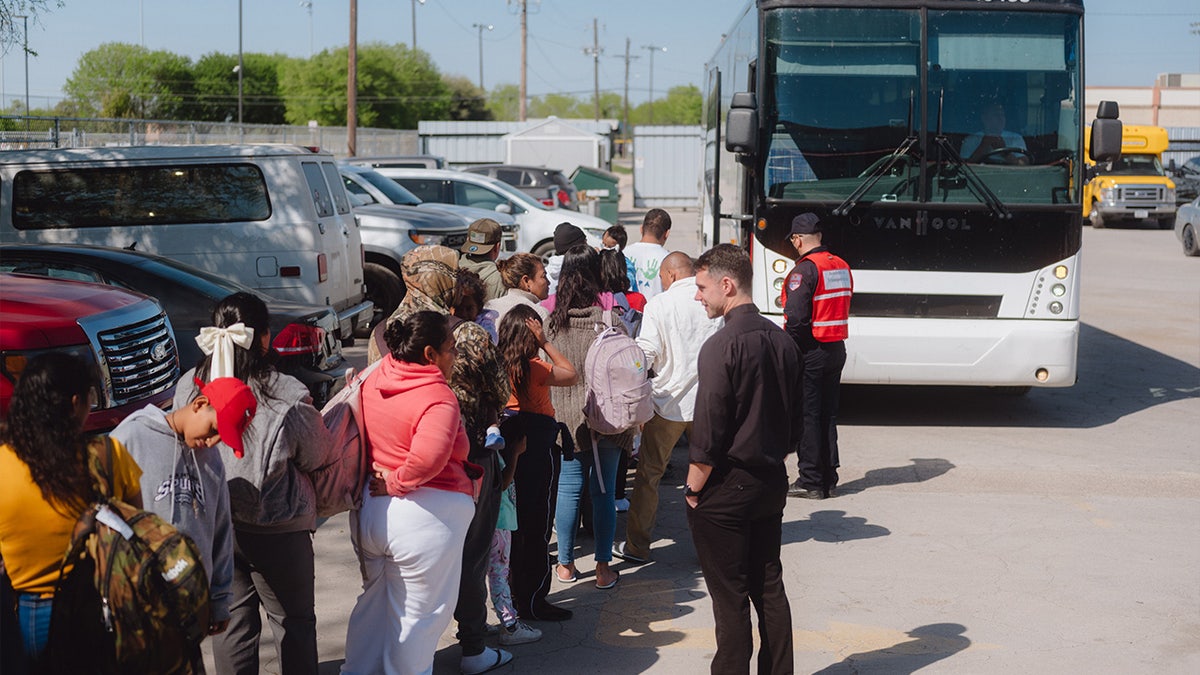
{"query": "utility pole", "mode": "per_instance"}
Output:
(352, 84)
(414, 22)
(594, 51)
(241, 73)
(625, 106)
(524, 56)
(481, 27)
(652, 49)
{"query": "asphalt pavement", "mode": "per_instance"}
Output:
(975, 532)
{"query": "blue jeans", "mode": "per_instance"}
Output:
(33, 614)
(604, 512)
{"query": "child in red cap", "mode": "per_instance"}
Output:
(183, 478)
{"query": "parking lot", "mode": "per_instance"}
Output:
(976, 532)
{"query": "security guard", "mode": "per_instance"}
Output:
(816, 310)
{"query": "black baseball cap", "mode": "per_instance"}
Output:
(805, 223)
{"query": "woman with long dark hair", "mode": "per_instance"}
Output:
(271, 498)
(580, 306)
(414, 519)
(532, 424)
(46, 483)
(524, 274)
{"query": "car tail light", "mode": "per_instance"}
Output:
(549, 201)
(564, 199)
(298, 338)
(322, 268)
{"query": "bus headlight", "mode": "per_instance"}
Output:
(1060, 272)
(779, 283)
(1058, 290)
(1056, 307)
(779, 266)
(1106, 194)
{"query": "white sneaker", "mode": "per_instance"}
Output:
(519, 633)
(622, 505)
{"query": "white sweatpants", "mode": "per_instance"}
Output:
(412, 552)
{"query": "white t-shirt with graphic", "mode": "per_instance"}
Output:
(647, 259)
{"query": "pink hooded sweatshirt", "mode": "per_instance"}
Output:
(414, 428)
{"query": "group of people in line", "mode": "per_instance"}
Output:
(479, 451)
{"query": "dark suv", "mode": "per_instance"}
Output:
(551, 187)
(1187, 180)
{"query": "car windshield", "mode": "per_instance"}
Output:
(1133, 165)
(394, 191)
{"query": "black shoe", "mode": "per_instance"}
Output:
(798, 490)
(830, 492)
(544, 611)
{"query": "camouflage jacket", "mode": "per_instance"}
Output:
(478, 381)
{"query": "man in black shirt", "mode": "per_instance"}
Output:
(747, 408)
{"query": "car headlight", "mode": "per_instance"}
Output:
(422, 239)
(1171, 195)
(1106, 194)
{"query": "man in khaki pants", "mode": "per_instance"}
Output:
(674, 326)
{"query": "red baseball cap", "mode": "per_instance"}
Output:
(235, 406)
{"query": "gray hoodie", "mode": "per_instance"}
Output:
(269, 488)
(187, 489)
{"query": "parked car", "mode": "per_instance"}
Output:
(367, 186)
(124, 335)
(1187, 180)
(470, 189)
(551, 187)
(405, 161)
(303, 334)
(272, 217)
(1187, 227)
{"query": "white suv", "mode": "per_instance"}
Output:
(468, 189)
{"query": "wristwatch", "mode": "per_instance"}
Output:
(689, 492)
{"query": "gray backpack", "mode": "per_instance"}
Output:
(617, 385)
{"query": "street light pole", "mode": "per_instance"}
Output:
(481, 28)
(240, 70)
(25, 43)
(307, 4)
(414, 20)
(652, 49)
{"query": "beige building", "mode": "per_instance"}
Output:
(1173, 101)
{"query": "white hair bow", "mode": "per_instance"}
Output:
(219, 343)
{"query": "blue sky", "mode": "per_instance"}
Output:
(1128, 41)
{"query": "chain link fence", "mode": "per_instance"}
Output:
(27, 133)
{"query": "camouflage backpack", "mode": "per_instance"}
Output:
(136, 599)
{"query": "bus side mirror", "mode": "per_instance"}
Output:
(741, 127)
(1105, 143)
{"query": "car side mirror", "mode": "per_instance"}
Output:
(504, 208)
(359, 200)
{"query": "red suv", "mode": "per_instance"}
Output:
(125, 335)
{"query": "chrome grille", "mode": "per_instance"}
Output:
(1150, 194)
(140, 359)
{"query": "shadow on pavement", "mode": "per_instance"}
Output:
(919, 471)
(930, 643)
(1117, 377)
(831, 527)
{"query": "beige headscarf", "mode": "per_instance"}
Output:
(431, 270)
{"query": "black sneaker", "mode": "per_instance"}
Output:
(798, 490)
(618, 550)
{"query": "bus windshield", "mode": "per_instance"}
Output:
(1132, 165)
(847, 96)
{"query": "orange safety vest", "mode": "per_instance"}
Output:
(831, 300)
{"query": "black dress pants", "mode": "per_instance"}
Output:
(820, 383)
(736, 529)
(471, 611)
(536, 486)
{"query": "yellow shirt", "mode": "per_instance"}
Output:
(33, 535)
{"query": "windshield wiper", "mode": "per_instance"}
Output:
(978, 187)
(906, 146)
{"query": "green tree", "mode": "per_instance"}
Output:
(467, 101)
(682, 105)
(557, 105)
(216, 84)
(397, 87)
(504, 102)
(12, 30)
(124, 80)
